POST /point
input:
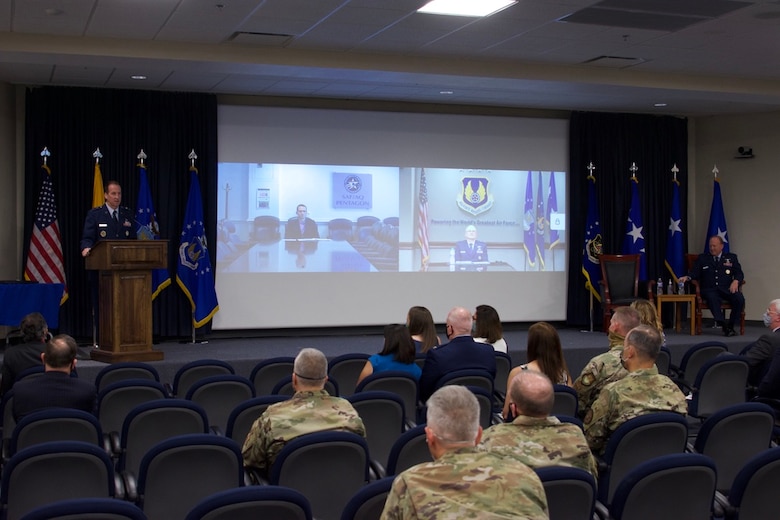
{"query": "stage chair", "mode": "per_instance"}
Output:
(619, 283)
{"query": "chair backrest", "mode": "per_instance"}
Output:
(664, 361)
(721, 382)
(369, 502)
(272, 502)
(151, 423)
(754, 491)
(65, 470)
(697, 355)
(268, 372)
(733, 435)
(218, 395)
(467, 377)
(266, 228)
(410, 449)
(565, 401)
(401, 383)
(194, 371)
(620, 274)
(571, 492)
(342, 455)
(179, 472)
(345, 369)
(117, 399)
(485, 400)
(503, 367)
(36, 371)
(285, 387)
(56, 424)
(243, 415)
(637, 440)
(125, 370)
(384, 419)
(7, 416)
(87, 508)
(671, 486)
(340, 229)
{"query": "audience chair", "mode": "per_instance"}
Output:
(56, 424)
(694, 358)
(7, 422)
(117, 399)
(398, 382)
(244, 414)
(701, 303)
(571, 492)
(664, 361)
(87, 508)
(721, 382)
(467, 377)
(384, 419)
(179, 472)
(268, 372)
(125, 370)
(680, 485)
(36, 371)
(54, 471)
(345, 369)
(419, 359)
(194, 371)
(565, 401)
(408, 450)
(753, 494)
(285, 387)
(487, 415)
(619, 283)
(218, 395)
(253, 502)
(369, 502)
(635, 441)
(503, 367)
(340, 458)
(571, 420)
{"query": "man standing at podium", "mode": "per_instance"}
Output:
(107, 222)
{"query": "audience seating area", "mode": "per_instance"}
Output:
(173, 451)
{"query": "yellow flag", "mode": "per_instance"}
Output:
(97, 188)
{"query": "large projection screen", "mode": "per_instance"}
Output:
(497, 174)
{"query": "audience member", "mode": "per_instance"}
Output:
(760, 352)
(463, 481)
(487, 328)
(56, 388)
(719, 275)
(462, 352)
(534, 437)
(19, 358)
(641, 392)
(301, 226)
(545, 355)
(605, 368)
(397, 354)
(649, 316)
(422, 329)
(310, 410)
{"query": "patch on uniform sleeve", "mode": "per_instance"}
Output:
(586, 379)
(588, 416)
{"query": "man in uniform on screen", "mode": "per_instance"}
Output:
(471, 249)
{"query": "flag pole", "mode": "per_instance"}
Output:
(97, 156)
(590, 169)
(192, 156)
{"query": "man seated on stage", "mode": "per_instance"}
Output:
(310, 410)
(56, 388)
(471, 249)
(18, 358)
(301, 226)
(719, 275)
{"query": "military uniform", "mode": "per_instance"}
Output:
(640, 392)
(715, 276)
(306, 412)
(541, 441)
(602, 369)
(467, 483)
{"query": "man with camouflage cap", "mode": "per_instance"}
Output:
(641, 392)
(310, 410)
(463, 481)
(605, 368)
(535, 437)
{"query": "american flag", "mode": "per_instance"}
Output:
(422, 222)
(45, 259)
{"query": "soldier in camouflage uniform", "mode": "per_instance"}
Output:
(310, 410)
(535, 438)
(463, 481)
(642, 391)
(605, 368)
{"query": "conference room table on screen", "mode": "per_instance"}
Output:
(17, 299)
(306, 255)
(466, 266)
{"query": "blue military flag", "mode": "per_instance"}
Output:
(149, 229)
(717, 225)
(552, 207)
(591, 268)
(193, 270)
(634, 242)
(674, 239)
(529, 226)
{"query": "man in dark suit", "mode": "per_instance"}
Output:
(110, 221)
(301, 226)
(462, 352)
(719, 275)
(56, 388)
(759, 353)
(471, 249)
(18, 358)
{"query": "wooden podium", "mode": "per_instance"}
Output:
(125, 272)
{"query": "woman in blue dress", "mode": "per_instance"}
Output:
(397, 354)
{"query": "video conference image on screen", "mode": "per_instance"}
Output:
(295, 218)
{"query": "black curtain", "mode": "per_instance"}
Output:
(72, 123)
(612, 142)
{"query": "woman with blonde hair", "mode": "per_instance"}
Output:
(545, 355)
(649, 316)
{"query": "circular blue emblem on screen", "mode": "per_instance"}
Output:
(353, 184)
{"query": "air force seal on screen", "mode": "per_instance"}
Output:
(474, 197)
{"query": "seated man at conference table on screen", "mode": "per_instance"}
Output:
(470, 252)
(301, 226)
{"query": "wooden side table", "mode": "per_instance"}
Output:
(678, 298)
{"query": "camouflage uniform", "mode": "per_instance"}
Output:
(541, 441)
(602, 369)
(467, 483)
(305, 412)
(640, 392)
